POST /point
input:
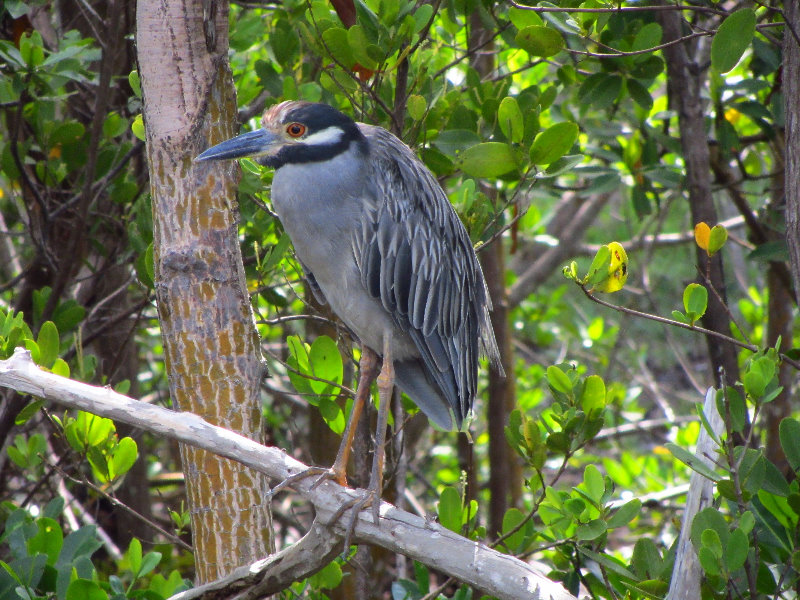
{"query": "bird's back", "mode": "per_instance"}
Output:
(415, 256)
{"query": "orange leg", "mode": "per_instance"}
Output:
(385, 388)
(367, 366)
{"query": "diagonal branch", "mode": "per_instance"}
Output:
(500, 575)
(276, 572)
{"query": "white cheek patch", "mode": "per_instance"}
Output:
(328, 136)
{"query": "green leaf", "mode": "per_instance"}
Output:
(522, 18)
(607, 561)
(710, 539)
(647, 37)
(48, 539)
(593, 398)
(562, 165)
(67, 132)
(558, 380)
(134, 555)
(449, 509)
(736, 550)
(135, 83)
(600, 90)
(625, 514)
(593, 483)
(326, 363)
(540, 41)
(85, 589)
(709, 518)
(639, 93)
(33, 348)
(490, 159)
(680, 317)
(709, 561)
(276, 253)
(357, 38)
(717, 238)
(298, 361)
(338, 45)
(48, 344)
(737, 407)
(60, 367)
(332, 414)
(646, 560)
(553, 143)
(695, 301)
(149, 562)
(137, 127)
(123, 457)
(692, 461)
(789, 433)
(511, 519)
(422, 16)
(652, 589)
(27, 412)
(591, 530)
(510, 118)
(416, 106)
(328, 578)
(732, 39)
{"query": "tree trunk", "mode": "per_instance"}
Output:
(686, 84)
(791, 95)
(505, 472)
(210, 343)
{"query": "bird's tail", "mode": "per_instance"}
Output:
(412, 377)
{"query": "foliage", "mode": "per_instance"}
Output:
(44, 562)
(549, 128)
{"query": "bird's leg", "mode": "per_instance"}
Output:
(385, 389)
(367, 368)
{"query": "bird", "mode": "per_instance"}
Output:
(380, 243)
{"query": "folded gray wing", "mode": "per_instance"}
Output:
(415, 255)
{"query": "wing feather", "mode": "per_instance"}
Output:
(416, 257)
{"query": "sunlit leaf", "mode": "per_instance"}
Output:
(489, 159)
(732, 38)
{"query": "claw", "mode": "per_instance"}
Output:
(355, 506)
(305, 474)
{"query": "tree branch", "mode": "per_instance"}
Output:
(276, 572)
(500, 575)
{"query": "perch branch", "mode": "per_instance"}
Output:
(500, 575)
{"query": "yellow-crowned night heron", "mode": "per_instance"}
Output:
(380, 242)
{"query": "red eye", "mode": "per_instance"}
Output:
(295, 129)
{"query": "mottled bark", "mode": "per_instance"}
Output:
(210, 343)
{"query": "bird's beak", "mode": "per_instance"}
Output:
(253, 144)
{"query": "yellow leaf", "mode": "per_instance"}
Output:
(701, 234)
(617, 270)
(732, 115)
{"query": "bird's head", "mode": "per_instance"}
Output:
(292, 132)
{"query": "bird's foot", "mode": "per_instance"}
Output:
(322, 474)
(355, 505)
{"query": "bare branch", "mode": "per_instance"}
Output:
(500, 575)
(276, 572)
